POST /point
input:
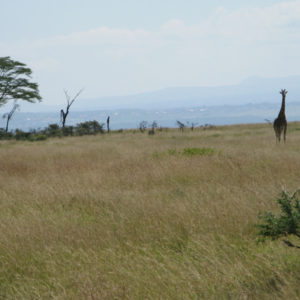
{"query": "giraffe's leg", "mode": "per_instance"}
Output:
(276, 133)
(284, 133)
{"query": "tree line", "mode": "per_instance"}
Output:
(16, 85)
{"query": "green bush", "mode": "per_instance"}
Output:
(22, 135)
(37, 137)
(186, 151)
(198, 151)
(68, 130)
(5, 135)
(287, 222)
(53, 130)
(89, 127)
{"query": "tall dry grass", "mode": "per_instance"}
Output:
(119, 217)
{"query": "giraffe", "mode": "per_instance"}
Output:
(280, 122)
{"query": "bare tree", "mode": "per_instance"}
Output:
(180, 125)
(64, 114)
(107, 123)
(9, 115)
(143, 126)
(193, 125)
(153, 127)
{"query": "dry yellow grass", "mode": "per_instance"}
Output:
(119, 217)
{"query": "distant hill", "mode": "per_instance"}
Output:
(251, 101)
(253, 90)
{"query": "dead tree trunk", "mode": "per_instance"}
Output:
(107, 122)
(9, 115)
(64, 114)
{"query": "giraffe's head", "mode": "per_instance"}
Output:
(283, 92)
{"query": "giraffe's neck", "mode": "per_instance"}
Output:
(282, 110)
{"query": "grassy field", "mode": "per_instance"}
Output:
(130, 216)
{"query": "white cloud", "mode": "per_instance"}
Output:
(270, 23)
(101, 35)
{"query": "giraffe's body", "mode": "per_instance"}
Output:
(280, 123)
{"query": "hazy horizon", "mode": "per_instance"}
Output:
(253, 90)
(130, 118)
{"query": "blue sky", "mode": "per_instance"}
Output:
(124, 47)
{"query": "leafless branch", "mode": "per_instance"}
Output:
(70, 101)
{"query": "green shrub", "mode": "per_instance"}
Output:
(198, 151)
(53, 130)
(22, 135)
(287, 222)
(186, 151)
(5, 135)
(68, 130)
(37, 137)
(89, 127)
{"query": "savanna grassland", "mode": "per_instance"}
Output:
(130, 216)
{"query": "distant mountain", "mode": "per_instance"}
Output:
(252, 90)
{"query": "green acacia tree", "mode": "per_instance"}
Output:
(15, 82)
